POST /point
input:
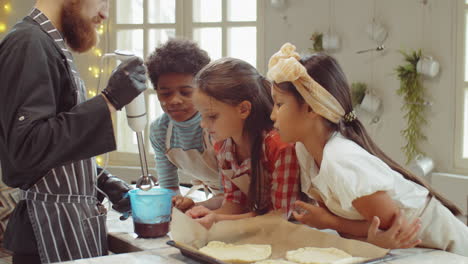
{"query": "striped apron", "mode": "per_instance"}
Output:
(62, 206)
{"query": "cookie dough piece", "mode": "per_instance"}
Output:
(246, 253)
(275, 261)
(312, 255)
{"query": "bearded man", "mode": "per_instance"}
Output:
(49, 132)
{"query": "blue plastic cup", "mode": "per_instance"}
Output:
(151, 211)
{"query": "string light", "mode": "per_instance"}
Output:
(3, 27)
(94, 70)
(99, 160)
(101, 29)
(97, 52)
(5, 10)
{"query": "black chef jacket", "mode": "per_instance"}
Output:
(41, 124)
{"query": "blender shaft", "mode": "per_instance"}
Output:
(142, 153)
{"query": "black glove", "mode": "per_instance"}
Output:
(126, 83)
(115, 189)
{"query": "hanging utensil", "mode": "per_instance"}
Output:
(379, 48)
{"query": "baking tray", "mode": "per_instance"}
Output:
(198, 256)
(194, 254)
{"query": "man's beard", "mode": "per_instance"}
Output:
(79, 33)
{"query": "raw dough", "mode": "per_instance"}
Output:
(312, 255)
(237, 253)
(352, 260)
(275, 261)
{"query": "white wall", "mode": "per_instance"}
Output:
(404, 19)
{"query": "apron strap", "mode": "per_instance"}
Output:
(197, 184)
(57, 198)
(169, 135)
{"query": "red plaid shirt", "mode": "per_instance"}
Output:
(280, 161)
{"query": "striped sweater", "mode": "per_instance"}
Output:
(185, 135)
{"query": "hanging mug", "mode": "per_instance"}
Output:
(330, 42)
(279, 4)
(376, 32)
(428, 66)
(422, 165)
(371, 103)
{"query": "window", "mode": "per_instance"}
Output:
(461, 146)
(221, 27)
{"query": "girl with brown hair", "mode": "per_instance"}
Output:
(258, 171)
(341, 167)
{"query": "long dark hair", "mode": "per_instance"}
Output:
(327, 72)
(233, 81)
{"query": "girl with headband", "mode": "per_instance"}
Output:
(352, 179)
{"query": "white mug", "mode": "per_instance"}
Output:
(278, 3)
(377, 32)
(421, 166)
(371, 103)
(330, 42)
(428, 66)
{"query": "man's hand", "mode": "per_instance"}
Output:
(182, 203)
(126, 82)
(116, 190)
(399, 235)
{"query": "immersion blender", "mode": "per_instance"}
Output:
(137, 119)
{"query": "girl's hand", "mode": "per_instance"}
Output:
(198, 212)
(208, 220)
(399, 235)
(312, 215)
(182, 203)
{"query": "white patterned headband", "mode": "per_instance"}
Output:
(284, 66)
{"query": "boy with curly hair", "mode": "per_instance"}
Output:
(182, 147)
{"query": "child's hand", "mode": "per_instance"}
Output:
(182, 203)
(312, 215)
(399, 235)
(208, 220)
(198, 212)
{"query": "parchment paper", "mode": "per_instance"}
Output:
(267, 229)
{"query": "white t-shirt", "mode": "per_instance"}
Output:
(348, 172)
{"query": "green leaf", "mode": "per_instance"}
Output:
(413, 94)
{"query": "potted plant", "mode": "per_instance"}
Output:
(317, 45)
(358, 91)
(413, 93)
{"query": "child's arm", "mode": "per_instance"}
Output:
(213, 203)
(319, 217)
(228, 211)
(377, 204)
(399, 235)
(184, 203)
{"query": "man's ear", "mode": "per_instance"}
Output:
(244, 109)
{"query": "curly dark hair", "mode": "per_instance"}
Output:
(176, 56)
